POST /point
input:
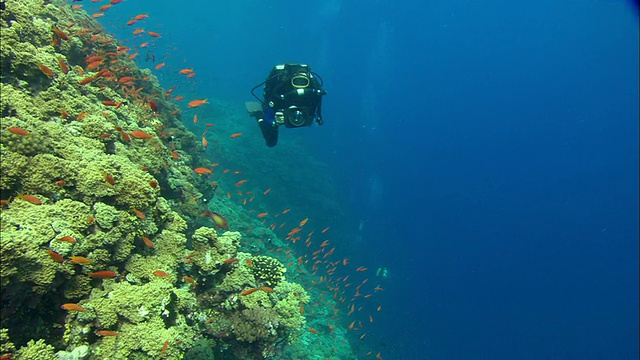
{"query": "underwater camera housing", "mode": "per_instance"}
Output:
(296, 117)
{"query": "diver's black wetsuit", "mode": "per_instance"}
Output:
(293, 97)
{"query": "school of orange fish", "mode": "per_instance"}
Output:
(309, 252)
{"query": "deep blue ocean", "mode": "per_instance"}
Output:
(484, 153)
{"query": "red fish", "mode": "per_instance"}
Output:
(104, 274)
(196, 103)
(140, 135)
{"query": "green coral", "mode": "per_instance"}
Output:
(12, 169)
(36, 350)
(212, 251)
(268, 270)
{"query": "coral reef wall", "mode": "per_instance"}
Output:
(103, 250)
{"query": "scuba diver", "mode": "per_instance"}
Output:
(292, 96)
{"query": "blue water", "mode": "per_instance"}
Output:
(486, 152)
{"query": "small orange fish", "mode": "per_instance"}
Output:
(97, 15)
(18, 131)
(160, 273)
(140, 135)
(68, 239)
(266, 191)
(80, 260)
(196, 103)
(106, 333)
(164, 347)
(144, 44)
(154, 34)
(30, 198)
(303, 222)
(55, 256)
(139, 214)
(147, 242)
(186, 71)
(103, 274)
(266, 289)
(312, 330)
(138, 31)
(45, 70)
(109, 179)
(178, 98)
(249, 291)
(141, 16)
(241, 182)
(262, 214)
(63, 66)
(229, 261)
(73, 307)
(233, 136)
(160, 66)
(195, 119)
(189, 279)
(325, 230)
(202, 171)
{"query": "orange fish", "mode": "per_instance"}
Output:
(144, 44)
(178, 98)
(106, 333)
(63, 66)
(30, 198)
(154, 34)
(233, 136)
(205, 143)
(68, 239)
(241, 182)
(164, 347)
(312, 330)
(186, 71)
(160, 66)
(109, 179)
(267, 289)
(18, 131)
(303, 222)
(147, 242)
(80, 260)
(325, 230)
(160, 273)
(97, 15)
(266, 191)
(138, 31)
(189, 279)
(229, 261)
(141, 16)
(73, 307)
(249, 291)
(262, 214)
(202, 171)
(55, 256)
(196, 103)
(195, 119)
(104, 274)
(46, 70)
(140, 135)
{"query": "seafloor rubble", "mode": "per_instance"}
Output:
(103, 252)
